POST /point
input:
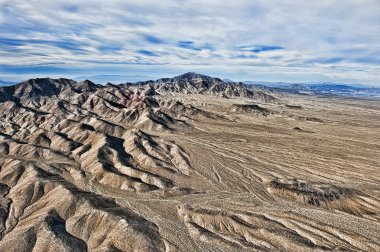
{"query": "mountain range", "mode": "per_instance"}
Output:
(189, 83)
(322, 88)
(189, 163)
(6, 83)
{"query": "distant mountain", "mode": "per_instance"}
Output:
(6, 83)
(45, 87)
(321, 88)
(193, 83)
(267, 83)
(228, 81)
(189, 83)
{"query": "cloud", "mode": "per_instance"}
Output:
(325, 60)
(188, 45)
(153, 39)
(71, 8)
(276, 38)
(110, 48)
(260, 48)
(63, 44)
(147, 53)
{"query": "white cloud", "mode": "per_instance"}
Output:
(328, 38)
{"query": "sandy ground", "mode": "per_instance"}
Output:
(235, 160)
(304, 177)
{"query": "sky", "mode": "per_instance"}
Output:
(263, 40)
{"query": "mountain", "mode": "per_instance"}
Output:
(45, 87)
(193, 83)
(228, 81)
(6, 83)
(139, 103)
(189, 163)
(67, 147)
(188, 83)
(319, 88)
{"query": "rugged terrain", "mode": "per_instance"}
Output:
(189, 163)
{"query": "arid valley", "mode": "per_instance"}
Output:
(189, 163)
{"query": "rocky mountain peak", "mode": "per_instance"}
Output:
(86, 85)
(191, 76)
(41, 87)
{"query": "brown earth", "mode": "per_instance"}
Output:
(115, 168)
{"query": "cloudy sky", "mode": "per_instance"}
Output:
(267, 40)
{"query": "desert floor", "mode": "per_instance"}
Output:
(303, 177)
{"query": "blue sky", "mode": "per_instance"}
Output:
(267, 40)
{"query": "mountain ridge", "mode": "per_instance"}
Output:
(185, 163)
(186, 84)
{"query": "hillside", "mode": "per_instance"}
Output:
(189, 163)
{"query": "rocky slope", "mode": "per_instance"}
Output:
(172, 165)
(66, 145)
(192, 83)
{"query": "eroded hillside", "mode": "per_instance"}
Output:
(185, 164)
